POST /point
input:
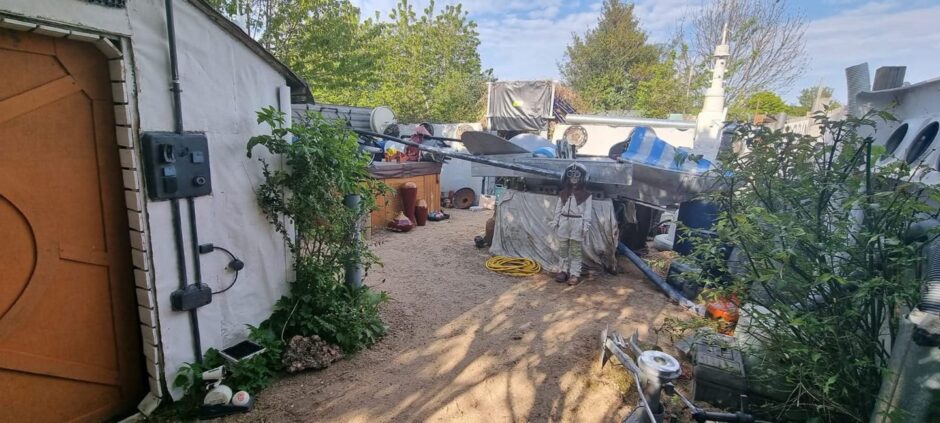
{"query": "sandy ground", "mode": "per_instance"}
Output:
(466, 344)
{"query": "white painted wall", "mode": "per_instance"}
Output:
(224, 84)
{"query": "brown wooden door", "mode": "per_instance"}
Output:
(69, 340)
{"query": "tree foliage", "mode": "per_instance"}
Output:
(766, 39)
(431, 68)
(425, 67)
(764, 103)
(304, 200)
(608, 63)
(663, 91)
(822, 265)
(808, 95)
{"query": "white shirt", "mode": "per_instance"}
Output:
(573, 228)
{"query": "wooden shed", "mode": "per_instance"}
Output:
(426, 175)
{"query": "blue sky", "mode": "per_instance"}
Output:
(525, 39)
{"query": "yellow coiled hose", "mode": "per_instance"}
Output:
(513, 266)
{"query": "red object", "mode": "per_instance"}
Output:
(726, 310)
(400, 223)
(409, 197)
(421, 215)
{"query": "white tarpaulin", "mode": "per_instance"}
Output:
(522, 230)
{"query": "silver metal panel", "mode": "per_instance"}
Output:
(479, 142)
(480, 169)
(601, 170)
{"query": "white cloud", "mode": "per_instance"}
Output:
(661, 18)
(880, 33)
(525, 39)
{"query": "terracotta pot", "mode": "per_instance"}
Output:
(400, 223)
(421, 213)
(409, 195)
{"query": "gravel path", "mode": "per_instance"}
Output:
(467, 344)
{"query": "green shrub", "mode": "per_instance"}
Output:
(303, 199)
(323, 164)
(250, 375)
(321, 305)
(824, 271)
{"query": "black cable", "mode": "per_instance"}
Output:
(229, 285)
(234, 265)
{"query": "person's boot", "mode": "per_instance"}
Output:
(561, 277)
(573, 281)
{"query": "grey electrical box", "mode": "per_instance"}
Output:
(176, 165)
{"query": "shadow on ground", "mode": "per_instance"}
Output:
(470, 345)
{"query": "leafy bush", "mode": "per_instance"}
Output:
(304, 201)
(823, 272)
(249, 375)
(338, 313)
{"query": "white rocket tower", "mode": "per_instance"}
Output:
(711, 120)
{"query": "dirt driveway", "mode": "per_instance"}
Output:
(467, 344)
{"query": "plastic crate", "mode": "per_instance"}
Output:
(719, 377)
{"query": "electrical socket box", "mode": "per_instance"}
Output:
(176, 165)
(191, 297)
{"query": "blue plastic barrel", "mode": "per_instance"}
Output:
(696, 219)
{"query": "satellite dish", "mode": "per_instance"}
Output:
(380, 118)
(576, 136)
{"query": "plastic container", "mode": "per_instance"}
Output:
(488, 201)
(697, 219)
(719, 375)
(498, 191)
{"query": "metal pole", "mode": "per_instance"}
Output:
(354, 269)
(468, 157)
(658, 281)
(174, 69)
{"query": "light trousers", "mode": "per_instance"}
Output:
(570, 253)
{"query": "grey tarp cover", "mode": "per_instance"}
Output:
(386, 170)
(522, 231)
(520, 105)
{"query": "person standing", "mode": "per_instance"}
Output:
(572, 220)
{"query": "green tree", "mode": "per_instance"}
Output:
(604, 66)
(764, 103)
(808, 96)
(324, 41)
(662, 90)
(431, 69)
